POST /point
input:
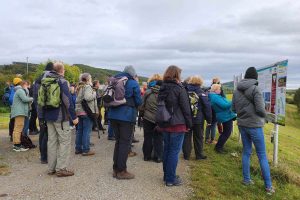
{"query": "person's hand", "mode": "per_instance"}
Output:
(75, 121)
(208, 124)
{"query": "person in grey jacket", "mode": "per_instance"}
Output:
(19, 111)
(248, 103)
(85, 91)
(153, 139)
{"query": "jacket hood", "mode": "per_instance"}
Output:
(18, 87)
(124, 74)
(244, 84)
(193, 88)
(53, 74)
(152, 84)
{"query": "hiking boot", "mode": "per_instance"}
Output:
(19, 148)
(111, 138)
(270, 191)
(135, 140)
(201, 157)
(177, 182)
(158, 160)
(248, 183)
(51, 172)
(147, 159)
(220, 151)
(132, 154)
(44, 162)
(124, 175)
(64, 173)
(78, 152)
(89, 153)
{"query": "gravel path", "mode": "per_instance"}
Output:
(93, 175)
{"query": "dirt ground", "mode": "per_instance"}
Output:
(28, 179)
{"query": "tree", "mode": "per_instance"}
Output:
(297, 99)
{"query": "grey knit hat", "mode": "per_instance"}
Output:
(130, 70)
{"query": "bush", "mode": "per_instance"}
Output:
(297, 99)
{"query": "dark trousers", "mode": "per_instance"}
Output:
(197, 133)
(32, 121)
(227, 129)
(153, 140)
(43, 139)
(123, 133)
(11, 126)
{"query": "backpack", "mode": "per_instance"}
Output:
(114, 95)
(194, 101)
(6, 95)
(11, 95)
(163, 116)
(49, 93)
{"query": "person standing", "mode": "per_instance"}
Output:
(43, 136)
(153, 139)
(224, 115)
(248, 103)
(122, 119)
(201, 109)
(176, 101)
(59, 134)
(83, 132)
(19, 111)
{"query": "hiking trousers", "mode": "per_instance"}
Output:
(197, 133)
(18, 128)
(153, 140)
(43, 139)
(123, 134)
(59, 145)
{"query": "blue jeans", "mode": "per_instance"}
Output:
(110, 130)
(83, 134)
(255, 135)
(210, 131)
(172, 146)
(26, 126)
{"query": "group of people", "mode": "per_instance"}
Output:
(173, 114)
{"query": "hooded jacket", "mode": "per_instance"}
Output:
(248, 103)
(65, 111)
(126, 112)
(176, 99)
(86, 92)
(222, 107)
(204, 107)
(20, 106)
(149, 106)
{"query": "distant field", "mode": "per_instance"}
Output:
(4, 120)
(220, 176)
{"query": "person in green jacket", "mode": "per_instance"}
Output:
(20, 110)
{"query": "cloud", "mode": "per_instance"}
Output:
(215, 38)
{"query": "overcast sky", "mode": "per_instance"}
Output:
(208, 38)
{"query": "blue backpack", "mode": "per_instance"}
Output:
(11, 95)
(8, 96)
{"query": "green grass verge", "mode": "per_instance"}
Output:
(220, 176)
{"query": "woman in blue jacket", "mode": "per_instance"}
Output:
(224, 115)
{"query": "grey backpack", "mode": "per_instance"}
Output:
(114, 95)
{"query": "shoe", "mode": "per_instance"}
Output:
(176, 177)
(44, 162)
(135, 140)
(89, 153)
(114, 174)
(220, 151)
(147, 159)
(207, 141)
(78, 152)
(177, 182)
(20, 148)
(64, 173)
(111, 138)
(51, 172)
(201, 157)
(92, 144)
(33, 132)
(186, 157)
(132, 154)
(158, 160)
(248, 183)
(124, 175)
(270, 191)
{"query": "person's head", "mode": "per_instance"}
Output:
(24, 84)
(96, 84)
(130, 70)
(86, 78)
(172, 73)
(59, 68)
(72, 89)
(216, 88)
(195, 80)
(186, 80)
(155, 77)
(216, 80)
(251, 73)
(49, 66)
(17, 81)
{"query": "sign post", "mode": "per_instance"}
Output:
(275, 141)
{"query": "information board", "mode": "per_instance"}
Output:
(272, 82)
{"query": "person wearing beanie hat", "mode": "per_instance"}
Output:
(251, 73)
(122, 119)
(249, 105)
(17, 81)
(130, 70)
(49, 66)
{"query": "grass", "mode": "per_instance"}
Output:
(4, 168)
(220, 176)
(4, 120)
